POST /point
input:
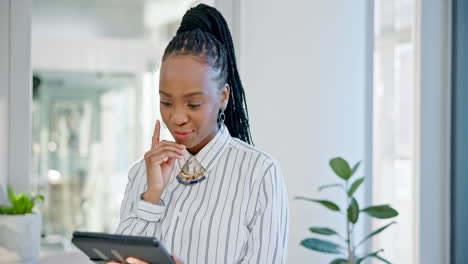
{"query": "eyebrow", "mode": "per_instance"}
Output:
(186, 95)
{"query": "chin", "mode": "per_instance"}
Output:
(187, 143)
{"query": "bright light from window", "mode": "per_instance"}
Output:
(393, 121)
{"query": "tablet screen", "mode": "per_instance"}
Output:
(103, 247)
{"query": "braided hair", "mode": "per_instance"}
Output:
(204, 33)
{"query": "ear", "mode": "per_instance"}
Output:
(225, 92)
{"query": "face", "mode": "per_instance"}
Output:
(190, 100)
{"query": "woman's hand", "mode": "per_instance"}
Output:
(131, 260)
(159, 162)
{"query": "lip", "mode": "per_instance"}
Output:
(182, 135)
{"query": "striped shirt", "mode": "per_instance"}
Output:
(238, 214)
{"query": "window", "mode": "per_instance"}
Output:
(393, 119)
(83, 143)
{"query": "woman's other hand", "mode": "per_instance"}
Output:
(131, 260)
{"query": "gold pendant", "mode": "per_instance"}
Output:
(188, 179)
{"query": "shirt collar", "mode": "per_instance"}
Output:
(211, 151)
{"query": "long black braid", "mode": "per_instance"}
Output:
(204, 33)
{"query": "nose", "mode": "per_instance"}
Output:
(179, 116)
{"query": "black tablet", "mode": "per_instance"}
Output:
(103, 247)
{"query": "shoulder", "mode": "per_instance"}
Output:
(260, 161)
(266, 182)
(137, 168)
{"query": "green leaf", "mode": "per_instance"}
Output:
(339, 261)
(355, 167)
(29, 208)
(381, 211)
(330, 185)
(11, 194)
(353, 211)
(20, 204)
(382, 259)
(376, 232)
(330, 205)
(323, 231)
(355, 186)
(341, 168)
(40, 197)
(321, 245)
(373, 254)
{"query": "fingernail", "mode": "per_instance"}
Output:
(131, 260)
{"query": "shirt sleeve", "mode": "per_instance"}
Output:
(268, 238)
(138, 217)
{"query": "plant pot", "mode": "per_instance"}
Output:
(20, 238)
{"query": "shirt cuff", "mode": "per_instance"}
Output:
(149, 211)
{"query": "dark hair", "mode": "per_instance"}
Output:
(204, 33)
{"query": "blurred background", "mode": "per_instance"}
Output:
(95, 66)
(366, 80)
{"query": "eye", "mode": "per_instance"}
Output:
(165, 103)
(194, 105)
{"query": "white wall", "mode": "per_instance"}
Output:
(303, 64)
(15, 93)
(4, 91)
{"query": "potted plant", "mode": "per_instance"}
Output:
(20, 229)
(347, 248)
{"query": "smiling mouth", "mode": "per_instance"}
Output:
(183, 135)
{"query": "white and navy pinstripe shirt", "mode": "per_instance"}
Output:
(238, 214)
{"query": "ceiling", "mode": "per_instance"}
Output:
(134, 19)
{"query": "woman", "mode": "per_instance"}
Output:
(209, 197)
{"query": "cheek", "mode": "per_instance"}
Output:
(165, 114)
(203, 118)
(204, 121)
(211, 114)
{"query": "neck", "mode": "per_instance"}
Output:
(195, 149)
